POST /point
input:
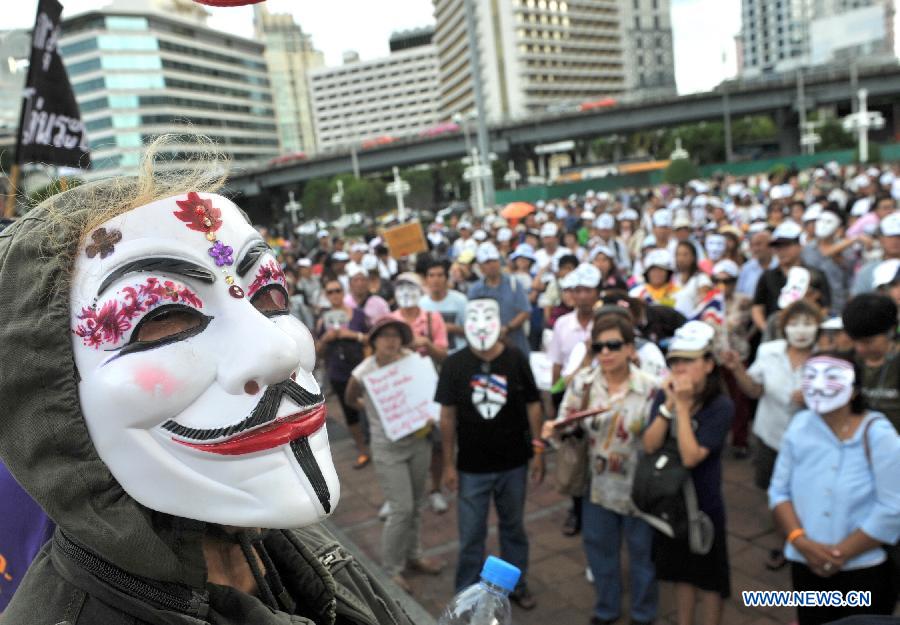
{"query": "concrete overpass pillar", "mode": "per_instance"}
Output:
(788, 132)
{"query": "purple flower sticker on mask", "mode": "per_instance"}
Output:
(221, 253)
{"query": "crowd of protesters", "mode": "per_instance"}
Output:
(755, 317)
(728, 315)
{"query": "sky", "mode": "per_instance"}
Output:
(704, 30)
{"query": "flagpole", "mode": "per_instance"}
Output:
(10, 208)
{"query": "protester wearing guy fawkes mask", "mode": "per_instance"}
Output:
(774, 379)
(166, 301)
(835, 494)
(833, 254)
(491, 413)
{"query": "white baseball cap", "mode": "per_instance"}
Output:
(787, 231)
(602, 249)
(861, 207)
(304, 262)
(369, 262)
(479, 235)
(322, 234)
(549, 229)
(605, 222)
(662, 219)
(487, 252)
(658, 258)
(812, 212)
(629, 214)
(890, 225)
(588, 215)
(561, 213)
(504, 234)
(586, 275)
(726, 266)
(682, 221)
(692, 340)
(886, 272)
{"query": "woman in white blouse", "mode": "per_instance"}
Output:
(774, 379)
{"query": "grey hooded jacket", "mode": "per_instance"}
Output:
(113, 561)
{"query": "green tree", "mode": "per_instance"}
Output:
(681, 171)
(834, 137)
(365, 196)
(421, 187)
(317, 197)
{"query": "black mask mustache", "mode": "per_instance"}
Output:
(264, 413)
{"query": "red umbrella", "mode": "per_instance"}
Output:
(517, 210)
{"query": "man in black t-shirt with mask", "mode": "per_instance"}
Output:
(490, 408)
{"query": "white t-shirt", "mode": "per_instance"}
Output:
(544, 258)
(772, 369)
(452, 309)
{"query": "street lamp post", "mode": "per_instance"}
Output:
(293, 207)
(398, 189)
(474, 174)
(478, 91)
(860, 122)
(512, 176)
(338, 200)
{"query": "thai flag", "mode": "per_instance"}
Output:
(711, 308)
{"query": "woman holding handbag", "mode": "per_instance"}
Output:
(619, 397)
(835, 492)
(699, 414)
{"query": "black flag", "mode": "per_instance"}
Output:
(50, 128)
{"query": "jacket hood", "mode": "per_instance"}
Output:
(44, 439)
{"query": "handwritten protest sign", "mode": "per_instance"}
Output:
(405, 240)
(403, 395)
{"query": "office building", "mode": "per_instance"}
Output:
(141, 68)
(378, 100)
(780, 35)
(289, 55)
(552, 55)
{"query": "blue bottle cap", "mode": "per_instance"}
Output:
(500, 573)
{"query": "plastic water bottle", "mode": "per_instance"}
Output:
(487, 602)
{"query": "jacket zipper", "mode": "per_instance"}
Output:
(121, 580)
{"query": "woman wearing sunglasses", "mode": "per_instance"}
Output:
(699, 413)
(340, 334)
(611, 382)
(835, 492)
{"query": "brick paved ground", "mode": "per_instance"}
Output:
(557, 562)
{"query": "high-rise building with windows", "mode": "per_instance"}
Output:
(545, 55)
(782, 35)
(143, 68)
(377, 100)
(290, 56)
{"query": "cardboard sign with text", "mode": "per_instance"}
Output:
(403, 395)
(405, 239)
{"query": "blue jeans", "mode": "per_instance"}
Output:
(601, 530)
(475, 490)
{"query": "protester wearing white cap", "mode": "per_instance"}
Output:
(551, 249)
(604, 233)
(833, 255)
(889, 238)
(868, 223)
(657, 287)
(698, 413)
(786, 245)
(465, 241)
(512, 298)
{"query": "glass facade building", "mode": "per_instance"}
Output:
(139, 75)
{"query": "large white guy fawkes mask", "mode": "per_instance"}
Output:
(482, 323)
(407, 295)
(827, 383)
(195, 383)
(715, 246)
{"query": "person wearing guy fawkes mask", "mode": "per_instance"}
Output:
(164, 413)
(491, 413)
(429, 338)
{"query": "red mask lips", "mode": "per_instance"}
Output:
(279, 432)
